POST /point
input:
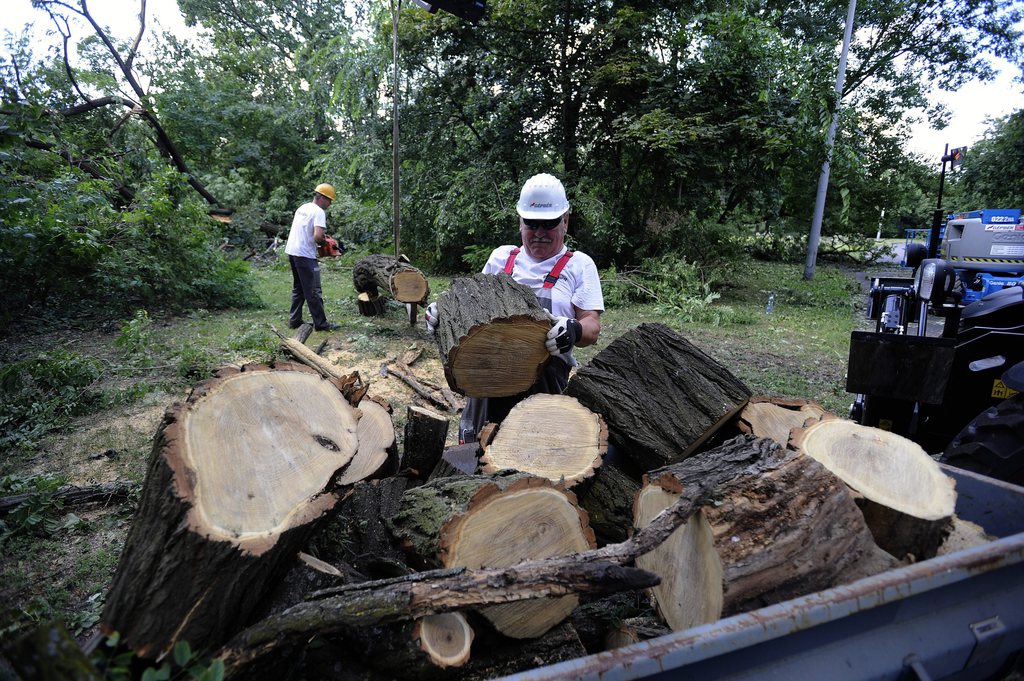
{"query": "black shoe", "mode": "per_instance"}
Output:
(329, 327)
(292, 325)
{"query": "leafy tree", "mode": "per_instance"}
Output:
(993, 172)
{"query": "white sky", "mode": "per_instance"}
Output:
(970, 106)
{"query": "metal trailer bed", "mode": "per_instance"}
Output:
(958, 616)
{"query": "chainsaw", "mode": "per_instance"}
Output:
(329, 248)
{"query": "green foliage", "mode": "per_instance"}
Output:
(40, 513)
(677, 288)
(42, 393)
(136, 335)
(117, 665)
(993, 172)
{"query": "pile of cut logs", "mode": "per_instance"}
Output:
(655, 495)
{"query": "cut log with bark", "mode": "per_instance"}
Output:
(239, 475)
(425, 434)
(775, 417)
(477, 521)
(594, 572)
(550, 436)
(377, 454)
(371, 305)
(416, 649)
(659, 394)
(399, 279)
(781, 526)
(490, 336)
(907, 500)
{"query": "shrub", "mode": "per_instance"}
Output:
(40, 394)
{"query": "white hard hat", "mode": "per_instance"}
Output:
(543, 197)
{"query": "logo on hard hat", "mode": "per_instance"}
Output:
(540, 205)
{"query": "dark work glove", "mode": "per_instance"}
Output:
(564, 333)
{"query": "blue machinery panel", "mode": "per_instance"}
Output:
(958, 617)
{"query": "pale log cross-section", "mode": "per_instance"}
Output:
(297, 432)
(550, 436)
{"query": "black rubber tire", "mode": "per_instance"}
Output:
(993, 443)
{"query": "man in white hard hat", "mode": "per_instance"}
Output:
(566, 283)
(309, 229)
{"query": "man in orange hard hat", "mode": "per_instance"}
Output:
(309, 229)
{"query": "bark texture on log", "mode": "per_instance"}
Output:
(608, 502)
(908, 501)
(238, 476)
(480, 521)
(425, 435)
(660, 396)
(371, 305)
(402, 281)
(49, 653)
(781, 526)
(490, 336)
(550, 436)
(363, 518)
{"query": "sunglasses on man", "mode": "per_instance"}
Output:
(535, 223)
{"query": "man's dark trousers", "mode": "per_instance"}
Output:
(306, 288)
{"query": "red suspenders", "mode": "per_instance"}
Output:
(551, 278)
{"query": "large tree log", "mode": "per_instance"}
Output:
(907, 500)
(238, 476)
(479, 521)
(661, 396)
(591, 572)
(781, 526)
(490, 336)
(402, 281)
(550, 436)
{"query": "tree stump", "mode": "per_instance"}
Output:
(661, 396)
(402, 281)
(908, 502)
(371, 306)
(781, 526)
(477, 521)
(238, 476)
(490, 336)
(550, 436)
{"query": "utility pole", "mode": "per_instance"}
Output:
(819, 201)
(396, 219)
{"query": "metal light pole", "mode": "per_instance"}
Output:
(396, 221)
(819, 201)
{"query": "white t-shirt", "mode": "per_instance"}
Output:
(578, 284)
(300, 240)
